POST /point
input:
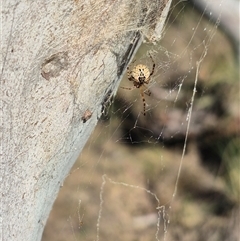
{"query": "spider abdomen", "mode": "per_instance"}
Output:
(140, 74)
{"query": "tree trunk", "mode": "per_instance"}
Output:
(61, 63)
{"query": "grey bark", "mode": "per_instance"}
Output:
(61, 63)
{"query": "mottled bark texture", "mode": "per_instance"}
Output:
(61, 63)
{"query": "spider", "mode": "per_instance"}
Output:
(140, 75)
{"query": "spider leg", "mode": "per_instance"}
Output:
(144, 101)
(153, 68)
(127, 88)
(147, 92)
(128, 73)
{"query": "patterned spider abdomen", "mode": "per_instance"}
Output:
(141, 74)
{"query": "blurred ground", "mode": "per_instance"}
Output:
(140, 156)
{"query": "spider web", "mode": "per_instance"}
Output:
(136, 177)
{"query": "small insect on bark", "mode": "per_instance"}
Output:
(86, 116)
(140, 75)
